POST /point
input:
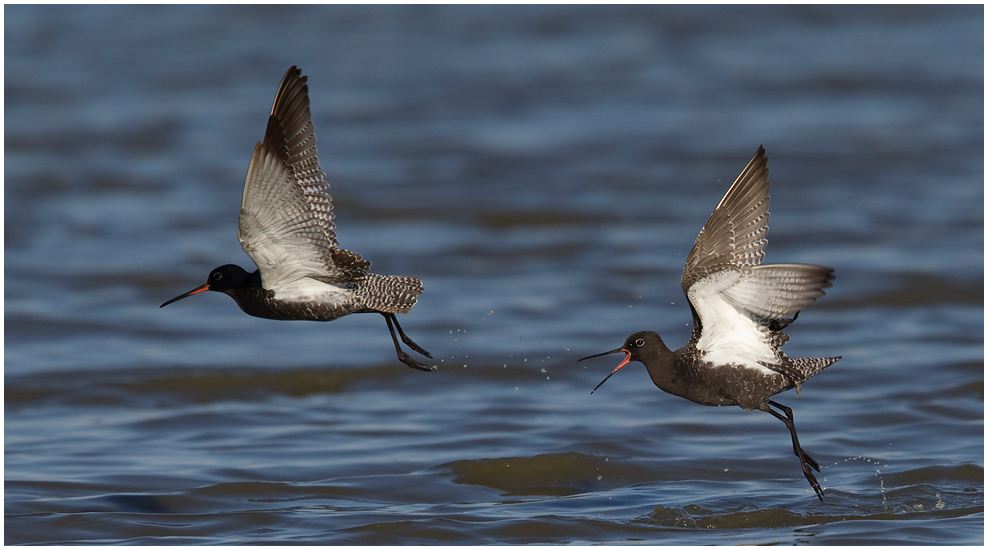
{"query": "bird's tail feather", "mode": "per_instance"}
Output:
(389, 293)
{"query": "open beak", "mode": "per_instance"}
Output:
(627, 359)
(196, 290)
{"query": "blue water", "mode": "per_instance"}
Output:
(544, 170)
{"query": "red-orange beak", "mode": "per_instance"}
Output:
(196, 290)
(627, 359)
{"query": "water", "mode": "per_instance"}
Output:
(544, 170)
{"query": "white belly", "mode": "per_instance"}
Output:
(313, 292)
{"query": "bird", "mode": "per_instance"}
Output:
(739, 307)
(287, 229)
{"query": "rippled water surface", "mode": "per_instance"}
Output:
(544, 171)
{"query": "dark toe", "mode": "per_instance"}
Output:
(404, 358)
(813, 482)
(419, 349)
(811, 462)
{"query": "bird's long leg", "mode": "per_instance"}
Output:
(402, 356)
(408, 341)
(805, 460)
(789, 421)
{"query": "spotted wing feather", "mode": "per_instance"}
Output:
(291, 134)
(286, 216)
(734, 239)
(735, 234)
(775, 291)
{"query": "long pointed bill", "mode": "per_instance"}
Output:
(627, 359)
(196, 290)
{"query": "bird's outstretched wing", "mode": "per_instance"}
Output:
(733, 296)
(286, 216)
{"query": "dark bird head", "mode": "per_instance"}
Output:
(225, 279)
(635, 348)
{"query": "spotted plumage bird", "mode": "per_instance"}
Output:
(286, 227)
(740, 307)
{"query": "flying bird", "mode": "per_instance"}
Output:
(740, 307)
(287, 229)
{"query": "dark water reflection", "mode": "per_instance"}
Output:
(544, 170)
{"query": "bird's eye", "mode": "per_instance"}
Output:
(639, 342)
(217, 276)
